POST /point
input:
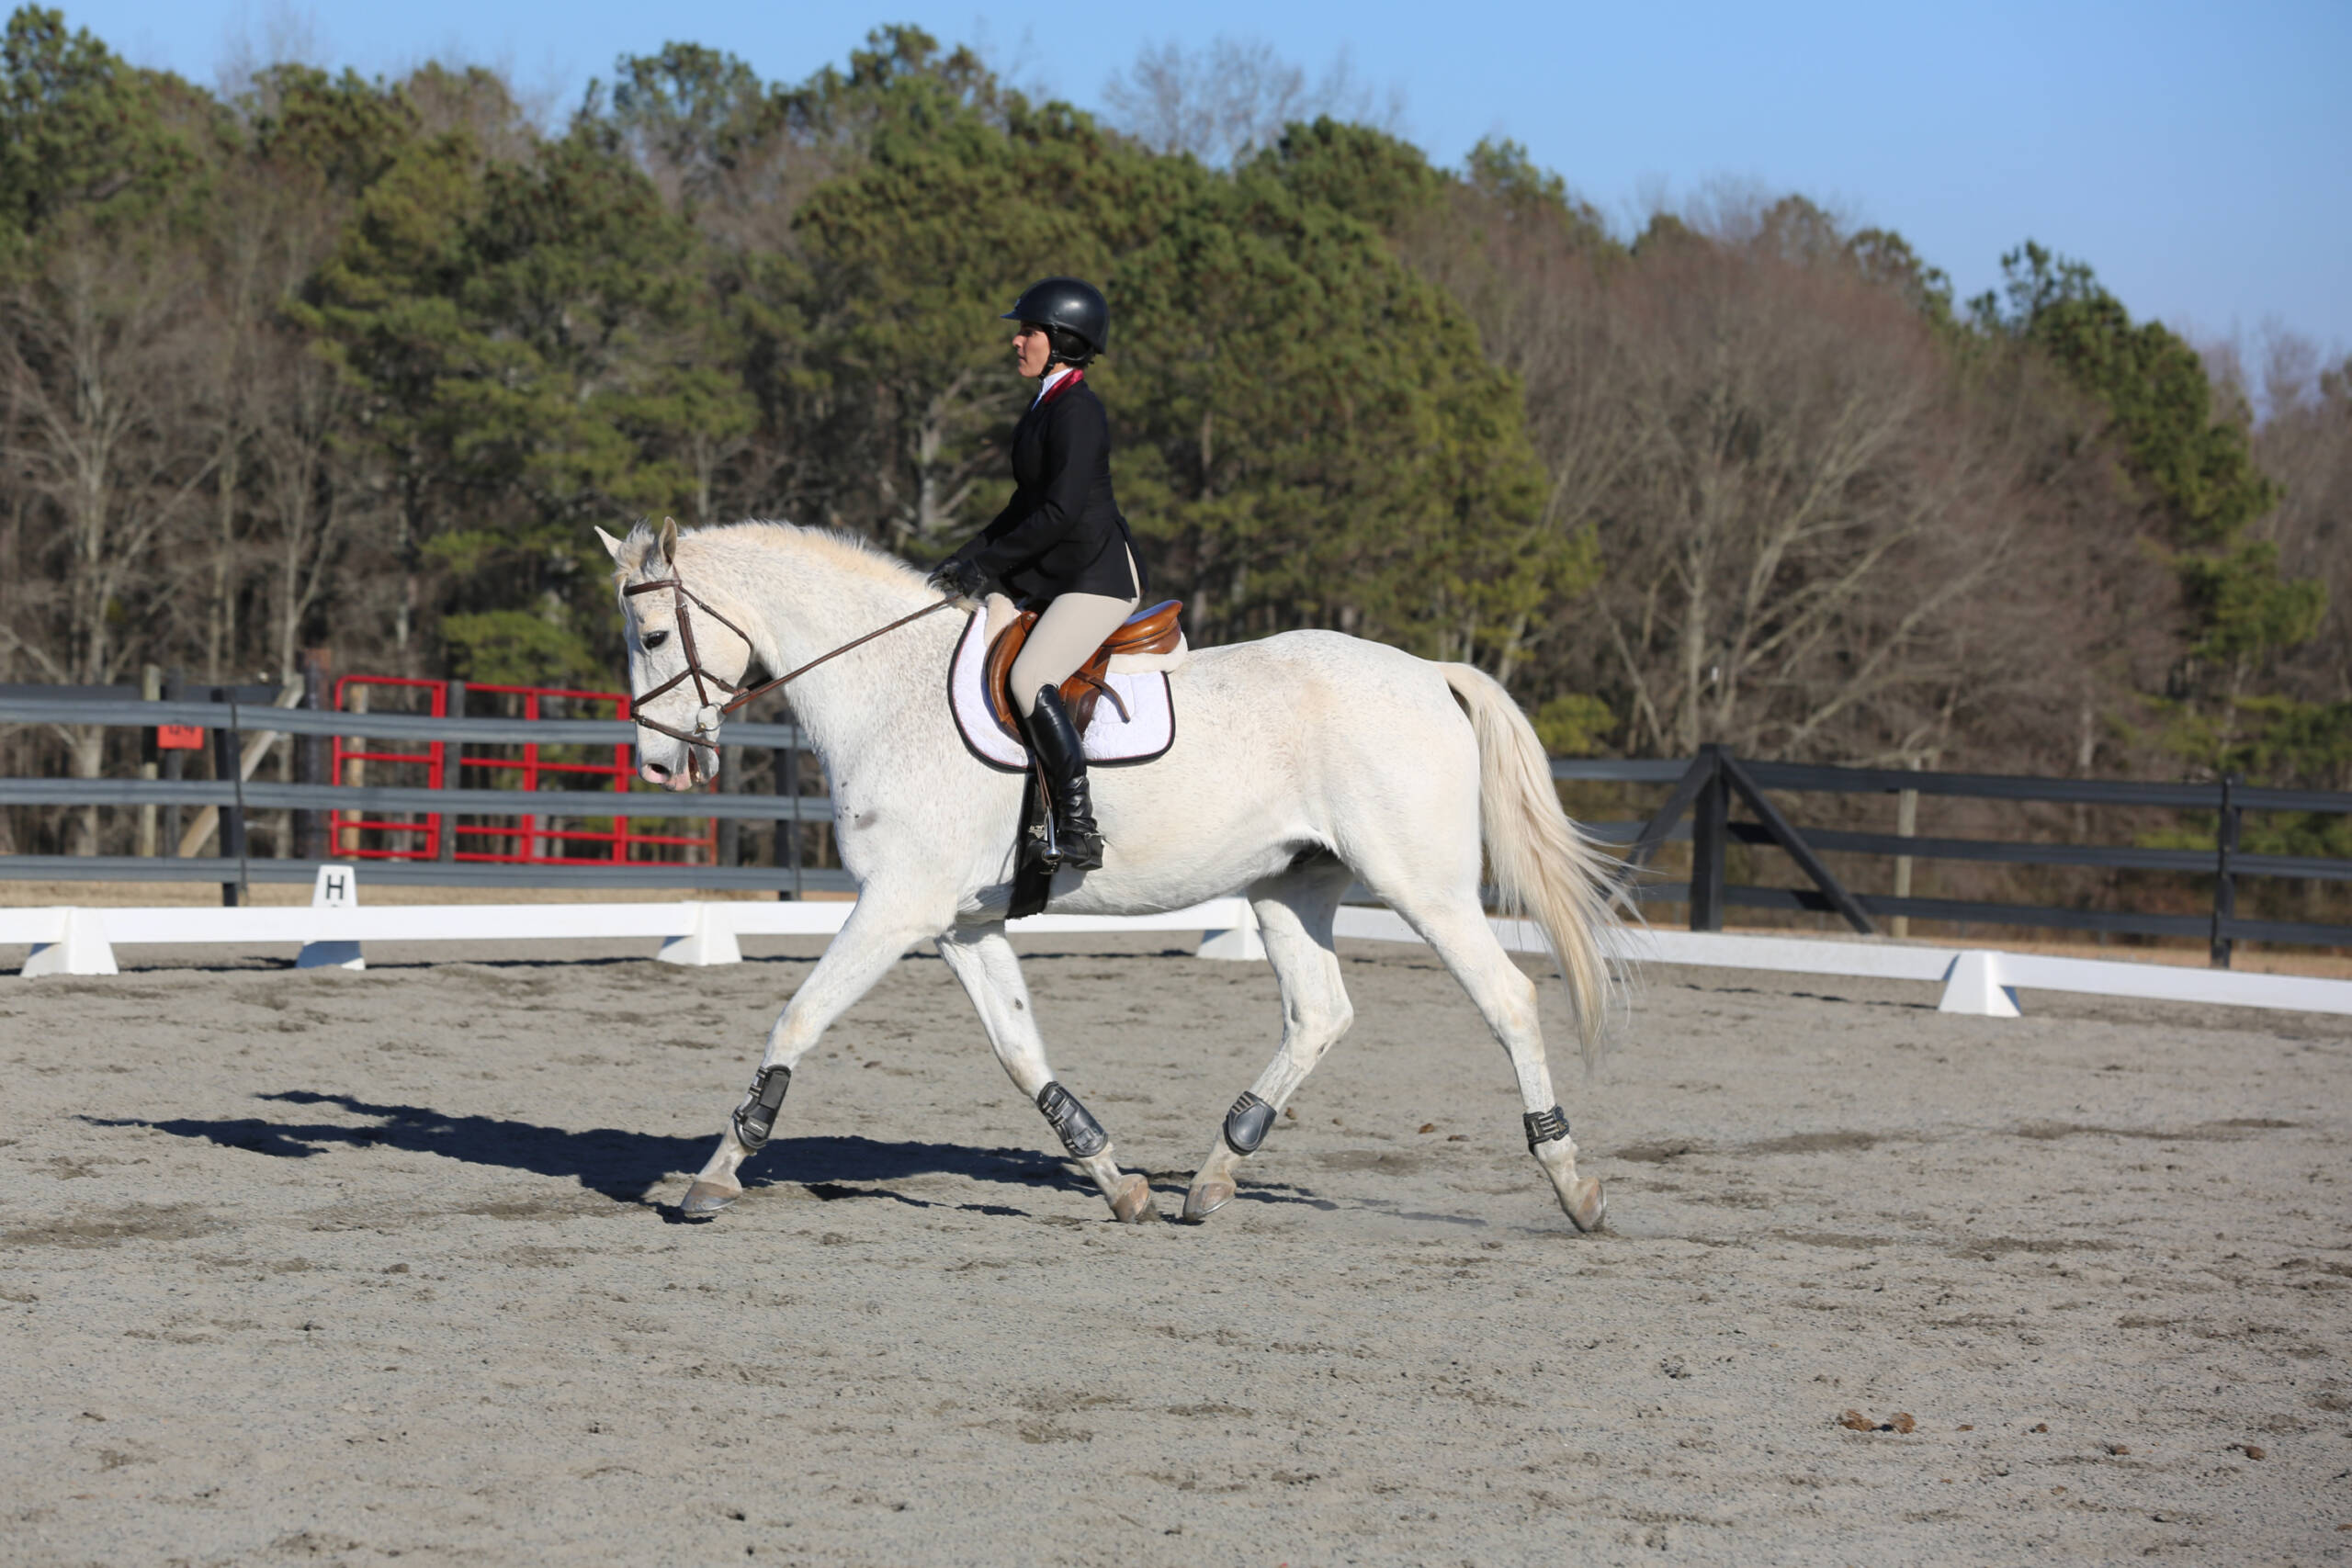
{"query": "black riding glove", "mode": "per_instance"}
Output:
(959, 578)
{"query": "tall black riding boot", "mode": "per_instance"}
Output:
(1062, 755)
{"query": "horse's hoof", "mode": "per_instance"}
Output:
(703, 1199)
(1134, 1205)
(1205, 1199)
(1587, 1205)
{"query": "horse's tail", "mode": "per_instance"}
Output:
(1543, 864)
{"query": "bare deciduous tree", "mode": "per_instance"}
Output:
(1819, 537)
(2305, 442)
(1222, 102)
(96, 354)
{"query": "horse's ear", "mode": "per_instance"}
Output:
(670, 541)
(611, 546)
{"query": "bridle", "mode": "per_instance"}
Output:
(709, 715)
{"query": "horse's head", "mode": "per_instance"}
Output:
(685, 659)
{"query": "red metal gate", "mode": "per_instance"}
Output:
(573, 837)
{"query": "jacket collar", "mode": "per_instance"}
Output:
(1055, 385)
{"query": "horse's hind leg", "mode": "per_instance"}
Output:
(984, 961)
(1505, 996)
(1294, 912)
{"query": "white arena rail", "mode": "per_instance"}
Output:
(67, 941)
(1974, 980)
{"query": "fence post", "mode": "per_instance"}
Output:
(453, 760)
(1710, 826)
(310, 766)
(2225, 886)
(1906, 825)
(731, 782)
(227, 763)
(352, 772)
(174, 765)
(150, 689)
(787, 828)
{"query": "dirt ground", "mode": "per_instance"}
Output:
(339, 1267)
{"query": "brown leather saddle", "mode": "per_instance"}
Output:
(1154, 630)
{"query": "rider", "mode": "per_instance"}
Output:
(1060, 546)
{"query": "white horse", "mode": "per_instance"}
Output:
(1301, 762)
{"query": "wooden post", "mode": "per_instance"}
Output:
(228, 763)
(453, 760)
(1906, 826)
(150, 689)
(1710, 828)
(355, 773)
(174, 764)
(311, 753)
(731, 782)
(787, 828)
(2225, 885)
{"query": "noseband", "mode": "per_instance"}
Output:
(708, 714)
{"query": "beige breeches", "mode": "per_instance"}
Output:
(1065, 636)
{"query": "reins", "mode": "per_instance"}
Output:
(706, 727)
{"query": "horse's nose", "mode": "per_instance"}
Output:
(653, 773)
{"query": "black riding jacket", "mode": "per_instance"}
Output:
(1061, 533)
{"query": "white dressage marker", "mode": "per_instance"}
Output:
(1975, 987)
(336, 888)
(1241, 945)
(75, 943)
(709, 938)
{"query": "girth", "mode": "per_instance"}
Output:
(1156, 630)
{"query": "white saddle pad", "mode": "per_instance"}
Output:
(1147, 731)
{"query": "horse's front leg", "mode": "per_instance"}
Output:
(985, 962)
(876, 933)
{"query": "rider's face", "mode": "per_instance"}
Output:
(1032, 349)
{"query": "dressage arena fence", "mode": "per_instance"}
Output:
(1698, 810)
(339, 821)
(1704, 789)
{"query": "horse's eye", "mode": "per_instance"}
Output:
(655, 639)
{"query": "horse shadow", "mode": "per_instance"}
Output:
(624, 1166)
(615, 1162)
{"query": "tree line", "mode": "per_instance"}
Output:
(351, 362)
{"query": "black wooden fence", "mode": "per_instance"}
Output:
(1705, 789)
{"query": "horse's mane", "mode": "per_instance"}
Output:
(850, 552)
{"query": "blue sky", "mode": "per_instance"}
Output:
(2198, 156)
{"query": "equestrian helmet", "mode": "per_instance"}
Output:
(1067, 305)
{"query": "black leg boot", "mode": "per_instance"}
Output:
(1063, 757)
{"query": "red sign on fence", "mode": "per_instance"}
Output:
(178, 737)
